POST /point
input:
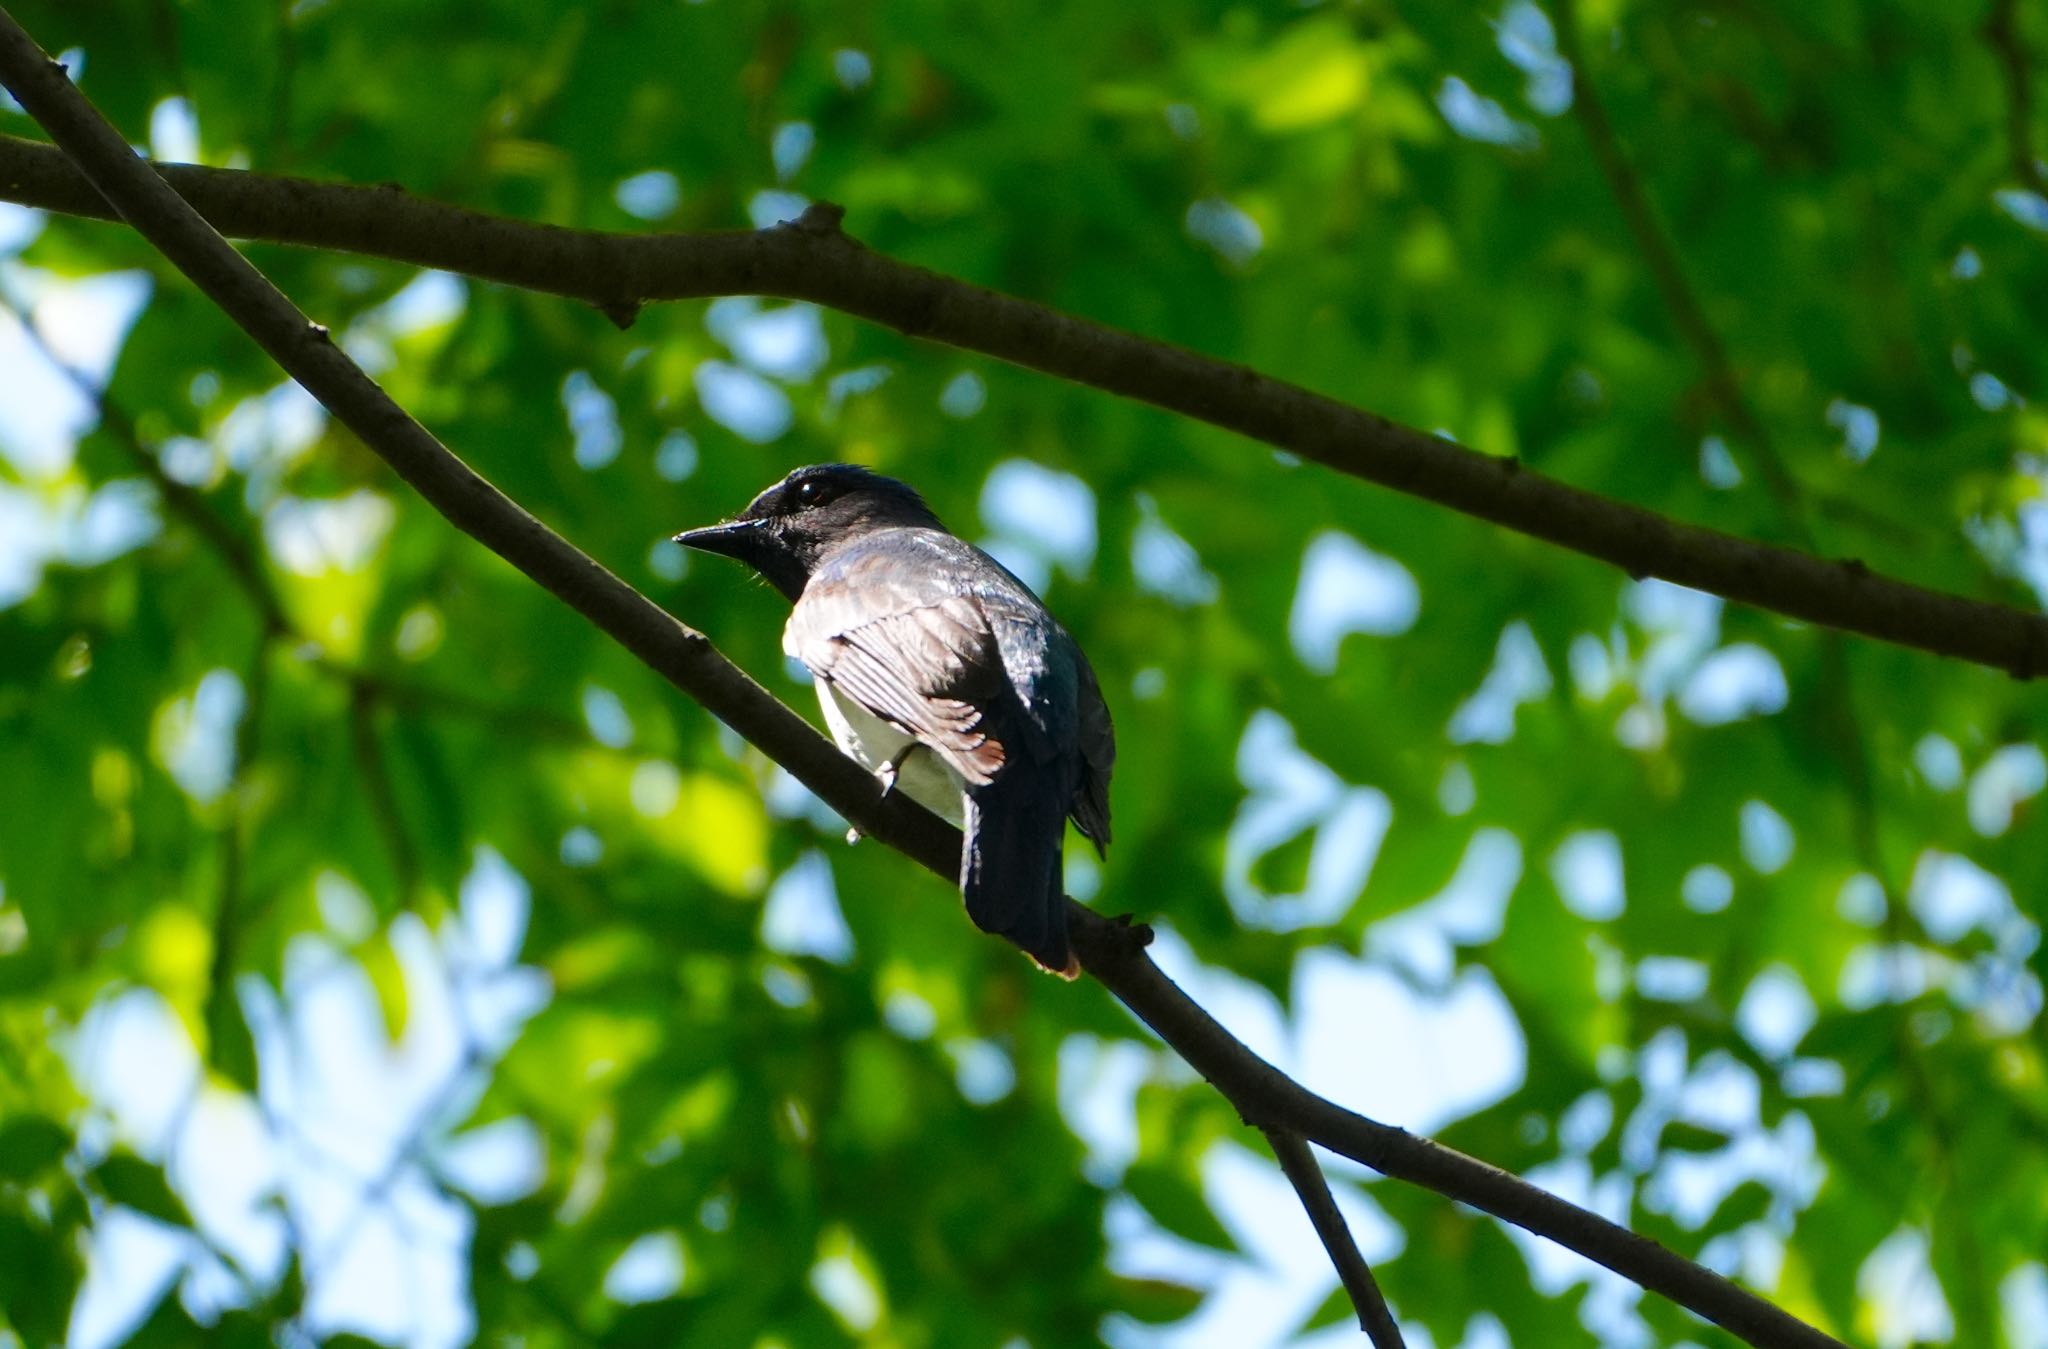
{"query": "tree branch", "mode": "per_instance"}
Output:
(1662, 258)
(365, 689)
(229, 913)
(183, 500)
(814, 261)
(1299, 1163)
(1841, 726)
(374, 777)
(1262, 1094)
(2002, 32)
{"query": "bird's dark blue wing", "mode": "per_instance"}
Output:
(1062, 703)
(1098, 757)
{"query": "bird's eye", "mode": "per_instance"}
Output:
(807, 492)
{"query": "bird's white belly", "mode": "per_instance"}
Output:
(871, 742)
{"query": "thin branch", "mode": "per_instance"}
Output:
(2002, 32)
(366, 689)
(284, 66)
(1307, 1178)
(1262, 1094)
(1841, 725)
(201, 1241)
(183, 500)
(228, 914)
(812, 260)
(1950, 1217)
(411, 1150)
(374, 777)
(535, 723)
(1655, 245)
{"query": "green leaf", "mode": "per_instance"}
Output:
(1175, 1203)
(1692, 1137)
(1156, 1301)
(231, 1048)
(126, 1179)
(1333, 1310)
(39, 1274)
(29, 1143)
(1745, 1204)
(1391, 205)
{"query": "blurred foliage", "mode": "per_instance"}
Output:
(1771, 945)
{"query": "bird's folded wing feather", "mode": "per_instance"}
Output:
(930, 667)
(1098, 757)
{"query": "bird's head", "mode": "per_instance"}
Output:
(787, 530)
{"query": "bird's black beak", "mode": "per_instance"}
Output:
(739, 539)
(760, 543)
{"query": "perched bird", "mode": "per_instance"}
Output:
(942, 674)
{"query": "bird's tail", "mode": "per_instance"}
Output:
(1010, 873)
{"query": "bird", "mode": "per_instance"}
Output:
(943, 675)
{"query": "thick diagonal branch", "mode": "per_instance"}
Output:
(819, 264)
(1261, 1093)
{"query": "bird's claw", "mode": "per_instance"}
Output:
(886, 774)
